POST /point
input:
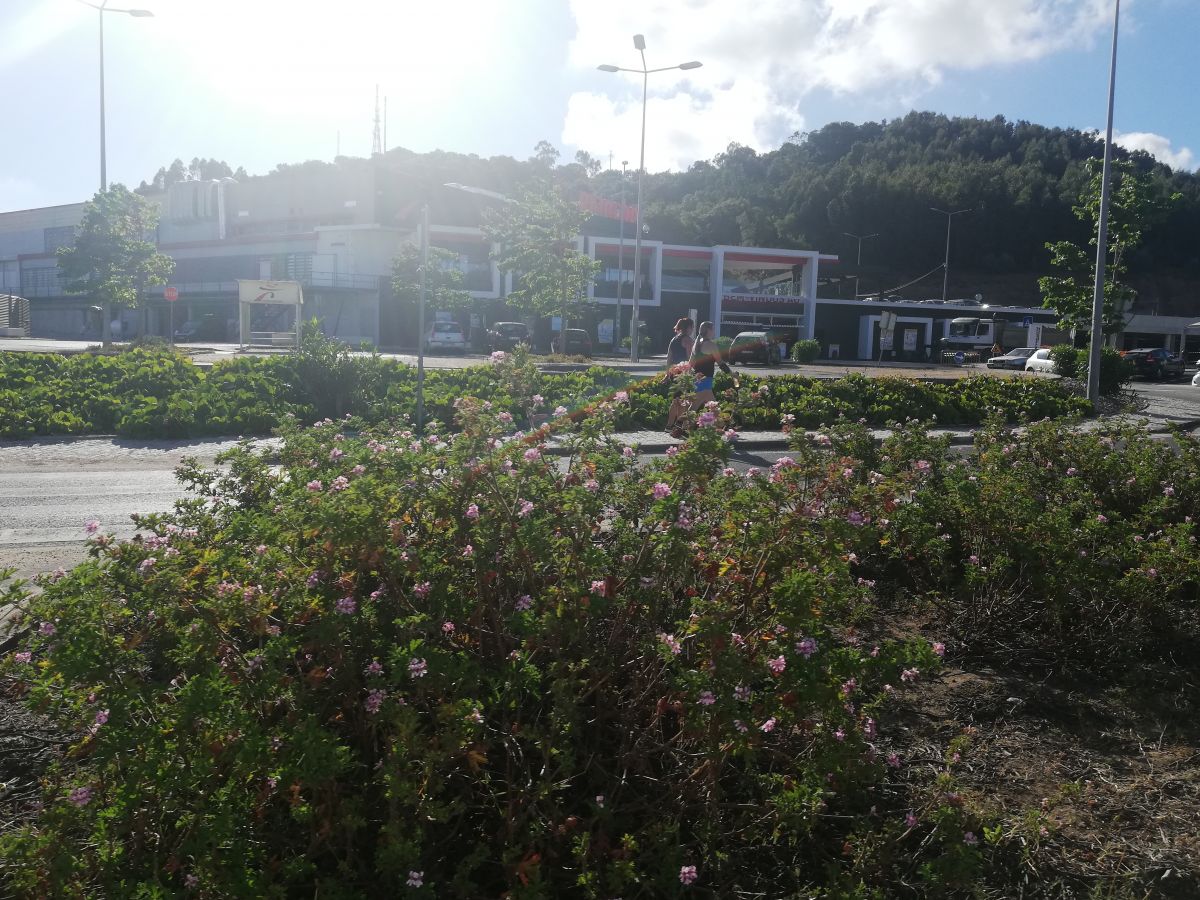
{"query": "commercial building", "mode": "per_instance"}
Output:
(337, 228)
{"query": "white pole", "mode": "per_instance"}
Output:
(421, 321)
(620, 264)
(635, 328)
(1093, 378)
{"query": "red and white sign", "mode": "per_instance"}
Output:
(171, 294)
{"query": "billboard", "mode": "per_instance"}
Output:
(267, 291)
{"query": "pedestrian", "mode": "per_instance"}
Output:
(706, 356)
(679, 351)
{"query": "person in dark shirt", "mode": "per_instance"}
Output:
(679, 351)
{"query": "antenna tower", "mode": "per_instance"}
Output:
(376, 139)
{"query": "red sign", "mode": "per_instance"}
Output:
(171, 294)
(608, 209)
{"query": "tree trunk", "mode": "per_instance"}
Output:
(106, 325)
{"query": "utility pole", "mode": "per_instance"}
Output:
(858, 263)
(946, 263)
(620, 260)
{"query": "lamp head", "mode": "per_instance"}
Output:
(639, 42)
(607, 68)
(141, 13)
(694, 64)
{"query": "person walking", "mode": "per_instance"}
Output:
(679, 351)
(706, 356)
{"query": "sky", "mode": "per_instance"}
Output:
(260, 82)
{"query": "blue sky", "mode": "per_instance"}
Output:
(258, 82)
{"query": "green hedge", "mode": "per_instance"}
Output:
(156, 393)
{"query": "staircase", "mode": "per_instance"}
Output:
(14, 316)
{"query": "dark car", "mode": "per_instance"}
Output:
(1154, 362)
(506, 335)
(754, 346)
(206, 328)
(578, 343)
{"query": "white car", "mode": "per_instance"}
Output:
(445, 336)
(1013, 359)
(1040, 362)
(1196, 380)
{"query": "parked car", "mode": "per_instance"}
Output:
(1013, 359)
(578, 343)
(445, 336)
(1196, 380)
(1155, 362)
(206, 328)
(754, 346)
(506, 335)
(1040, 361)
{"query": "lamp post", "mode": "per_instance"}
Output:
(946, 264)
(1093, 376)
(639, 44)
(620, 262)
(103, 8)
(858, 263)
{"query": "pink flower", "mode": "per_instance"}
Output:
(523, 603)
(468, 551)
(81, 796)
(375, 668)
(315, 485)
(560, 411)
(533, 454)
(893, 760)
(91, 526)
(672, 450)
(627, 452)
(671, 642)
(47, 629)
(472, 511)
(600, 800)
(422, 590)
(498, 356)
(777, 665)
(768, 726)
(939, 648)
(101, 717)
(973, 559)
(621, 397)
(447, 628)
(922, 465)
(705, 419)
(599, 587)
(687, 874)
(417, 668)
(730, 435)
(741, 726)
(374, 700)
(729, 471)
(416, 879)
(146, 565)
(910, 821)
(336, 453)
(505, 418)
(807, 647)
(191, 881)
(23, 657)
(849, 686)
(537, 399)
(706, 698)
(840, 734)
(742, 693)
(969, 839)
(591, 485)
(909, 675)
(1101, 518)
(339, 484)
(525, 508)
(661, 491)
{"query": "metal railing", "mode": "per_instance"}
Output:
(52, 286)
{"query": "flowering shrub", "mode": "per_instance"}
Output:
(447, 665)
(156, 393)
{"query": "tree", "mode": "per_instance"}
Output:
(545, 154)
(1132, 206)
(536, 237)
(114, 258)
(200, 169)
(443, 287)
(589, 163)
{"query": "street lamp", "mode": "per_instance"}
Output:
(1093, 377)
(946, 264)
(620, 262)
(858, 263)
(639, 44)
(103, 8)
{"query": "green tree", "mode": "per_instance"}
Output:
(536, 239)
(1133, 205)
(114, 258)
(444, 285)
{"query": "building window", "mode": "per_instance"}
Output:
(299, 266)
(63, 236)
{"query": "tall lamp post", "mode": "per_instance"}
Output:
(620, 262)
(103, 8)
(946, 264)
(858, 263)
(1093, 377)
(639, 44)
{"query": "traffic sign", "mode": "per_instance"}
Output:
(171, 294)
(1027, 321)
(960, 357)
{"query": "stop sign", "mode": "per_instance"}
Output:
(171, 294)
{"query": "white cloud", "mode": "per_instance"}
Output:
(761, 60)
(1157, 146)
